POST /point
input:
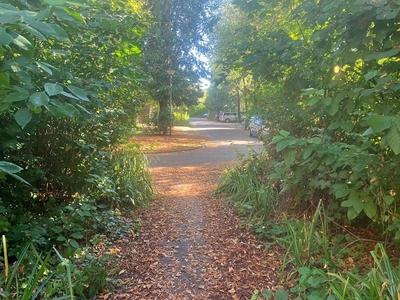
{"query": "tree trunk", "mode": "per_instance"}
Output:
(164, 118)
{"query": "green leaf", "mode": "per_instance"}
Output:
(388, 200)
(396, 121)
(290, 157)
(9, 168)
(23, 116)
(282, 145)
(4, 79)
(352, 214)
(370, 75)
(80, 93)
(307, 152)
(61, 238)
(74, 243)
(44, 68)
(53, 89)
(56, 229)
(55, 2)
(39, 99)
(21, 42)
(68, 110)
(77, 235)
(315, 140)
(394, 139)
(379, 123)
(370, 209)
(381, 55)
(284, 133)
(17, 96)
(5, 38)
(314, 100)
(341, 190)
(281, 295)
(334, 125)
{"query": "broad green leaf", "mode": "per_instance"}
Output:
(394, 139)
(327, 101)
(53, 89)
(314, 100)
(281, 295)
(396, 121)
(307, 152)
(68, 110)
(341, 190)
(379, 123)
(290, 157)
(370, 209)
(76, 3)
(80, 93)
(354, 201)
(347, 126)
(381, 55)
(5, 38)
(9, 168)
(56, 229)
(352, 214)
(61, 238)
(369, 131)
(69, 95)
(23, 116)
(44, 67)
(282, 145)
(77, 235)
(55, 2)
(39, 99)
(74, 243)
(21, 42)
(370, 75)
(334, 125)
(75, 14)
(17, 96)
(4, 79)
(284, 133)
(388, 200)
(315, 140)
(332, 109)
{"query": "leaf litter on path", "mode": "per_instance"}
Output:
(192, 245)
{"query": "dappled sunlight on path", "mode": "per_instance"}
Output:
(192, 246)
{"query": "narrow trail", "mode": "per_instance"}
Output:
(192, 245)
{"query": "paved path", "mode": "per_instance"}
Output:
(226, 140)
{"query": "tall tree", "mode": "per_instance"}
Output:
(177, 41)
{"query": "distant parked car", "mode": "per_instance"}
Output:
(229, 117)
(217, 116)
(205, 115)
(257, 127)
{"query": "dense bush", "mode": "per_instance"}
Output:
(68, 99)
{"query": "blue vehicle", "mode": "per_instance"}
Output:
(257, 127)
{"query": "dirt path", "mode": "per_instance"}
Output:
(192, 245)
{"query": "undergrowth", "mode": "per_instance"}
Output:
(320, 261)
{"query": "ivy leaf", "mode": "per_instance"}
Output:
(23, 116)
(352, 214)
(394, 139)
